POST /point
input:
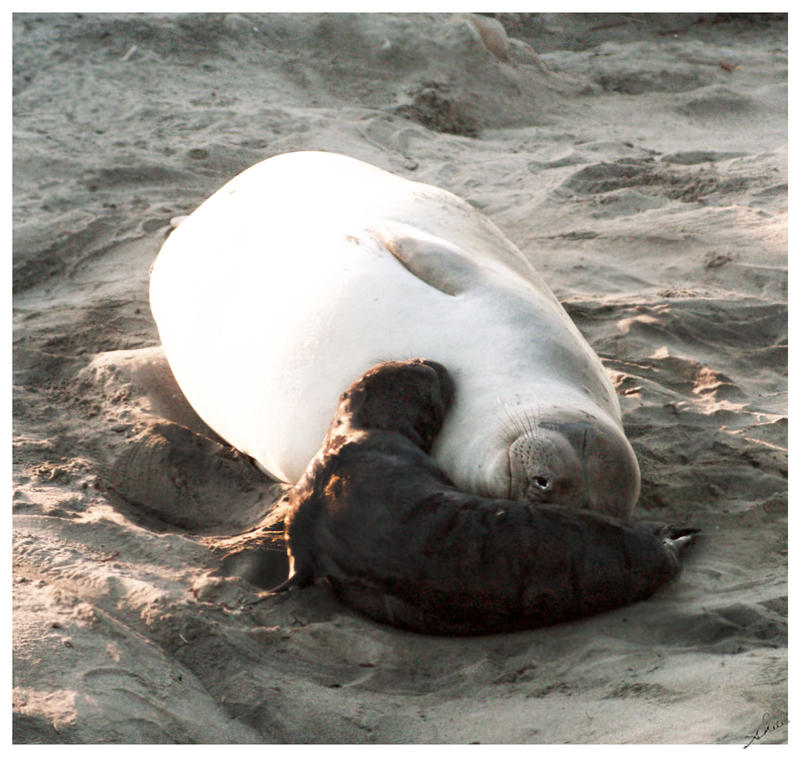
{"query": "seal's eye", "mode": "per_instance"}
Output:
(541, 483)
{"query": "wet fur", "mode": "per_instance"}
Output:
(377, 517)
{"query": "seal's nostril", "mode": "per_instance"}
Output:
(541, 482)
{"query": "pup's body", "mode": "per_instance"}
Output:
(376, 515)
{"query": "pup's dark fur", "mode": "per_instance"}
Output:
(377, 516)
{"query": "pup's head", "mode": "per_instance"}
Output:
(410, 397)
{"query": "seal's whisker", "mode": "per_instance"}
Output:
(521, 420)
(514, 423)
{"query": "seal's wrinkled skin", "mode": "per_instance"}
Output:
(377, 517)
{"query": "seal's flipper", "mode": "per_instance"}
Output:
(678, 538)
(295, 581)
(431, 259)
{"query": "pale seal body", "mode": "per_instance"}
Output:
(308, 268)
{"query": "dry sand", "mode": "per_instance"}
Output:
(640, 162)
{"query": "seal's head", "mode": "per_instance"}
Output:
(576, 460)
(409, 397)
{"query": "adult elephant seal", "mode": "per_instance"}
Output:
(310, 267)
(377, 517)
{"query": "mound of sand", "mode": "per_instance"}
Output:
(640, 162)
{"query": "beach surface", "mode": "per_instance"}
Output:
(639, 162)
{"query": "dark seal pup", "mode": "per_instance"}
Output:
(377, 517)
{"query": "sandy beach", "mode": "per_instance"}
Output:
(638, 161)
